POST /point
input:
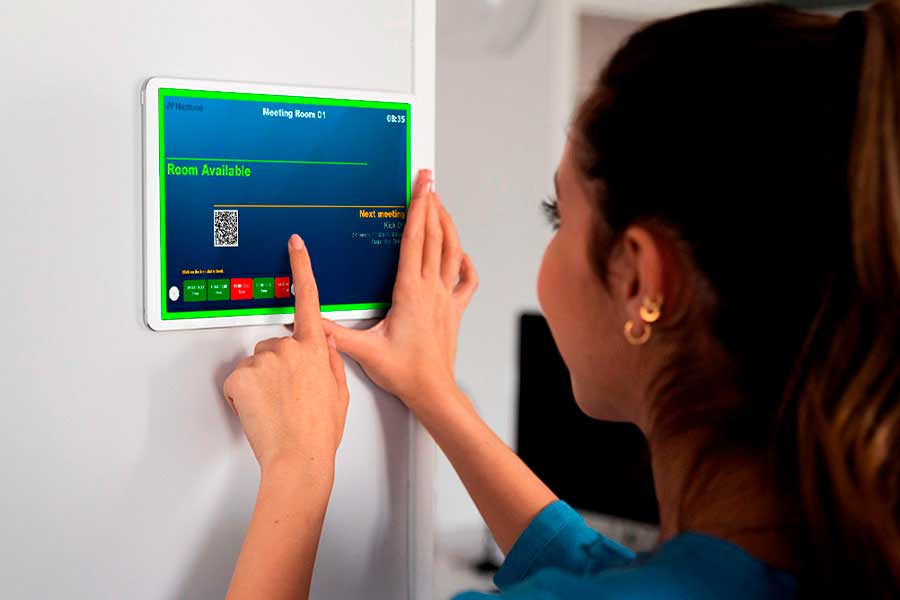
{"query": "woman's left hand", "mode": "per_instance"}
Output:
(291, 394)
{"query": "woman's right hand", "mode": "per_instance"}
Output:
(411, 352)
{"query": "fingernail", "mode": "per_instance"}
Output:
(423, 180)
(296, 242)
(331, 341)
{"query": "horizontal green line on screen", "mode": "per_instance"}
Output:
(273, 161)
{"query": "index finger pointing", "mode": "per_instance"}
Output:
(307, 316)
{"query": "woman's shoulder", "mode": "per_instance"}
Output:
(695, 565)
(689, 566)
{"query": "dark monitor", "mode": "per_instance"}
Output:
(594, 465)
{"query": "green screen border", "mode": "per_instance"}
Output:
(243, 312)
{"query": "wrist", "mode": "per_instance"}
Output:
(426, 390)
(304, 474)
(438, 402)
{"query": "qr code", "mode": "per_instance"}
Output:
(225, 228)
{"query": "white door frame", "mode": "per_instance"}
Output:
(420, 543)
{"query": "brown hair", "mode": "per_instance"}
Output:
(767, 142)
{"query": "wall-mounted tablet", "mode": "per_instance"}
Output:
(231, 170)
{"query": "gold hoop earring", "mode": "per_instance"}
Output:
(633, 339)
(651, 308)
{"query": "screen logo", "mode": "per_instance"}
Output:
(181, 106)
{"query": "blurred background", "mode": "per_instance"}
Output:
(509, 74)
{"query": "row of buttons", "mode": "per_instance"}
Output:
(238, 288)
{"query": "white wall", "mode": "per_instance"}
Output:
(494, 167)
(598, 39)
(123, 474)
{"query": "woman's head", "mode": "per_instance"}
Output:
(722, 135)
(742, 166)
(588, 307)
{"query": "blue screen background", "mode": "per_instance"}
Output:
(350, 267)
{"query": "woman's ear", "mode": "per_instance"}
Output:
(643, 267)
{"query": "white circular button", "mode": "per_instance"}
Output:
(174, 293)
(292, 289)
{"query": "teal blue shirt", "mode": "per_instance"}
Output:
(558, 557)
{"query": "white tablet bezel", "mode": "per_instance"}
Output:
(152, 247)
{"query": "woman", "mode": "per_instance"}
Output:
(726, 275)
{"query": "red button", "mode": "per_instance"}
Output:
(282, 287)
(241, 289)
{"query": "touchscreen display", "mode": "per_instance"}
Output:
(239, 173)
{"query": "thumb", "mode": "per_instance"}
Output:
(358, 344)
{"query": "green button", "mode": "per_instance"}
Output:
(194, 290)
(264, 287)
(219, 289)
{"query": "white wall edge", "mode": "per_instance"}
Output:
(563, 16)
(422, 449)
